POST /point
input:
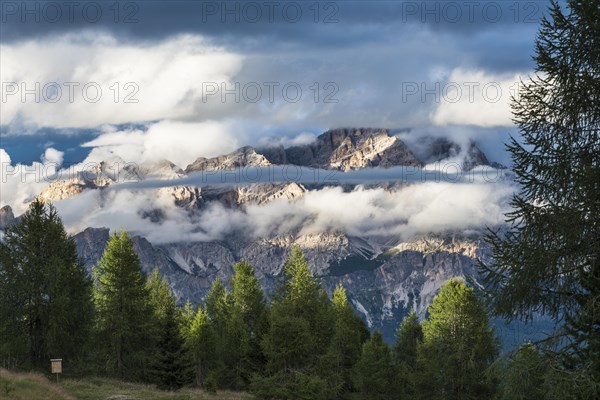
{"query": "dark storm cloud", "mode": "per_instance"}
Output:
(243, 23)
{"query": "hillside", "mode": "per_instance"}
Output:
(34, 386)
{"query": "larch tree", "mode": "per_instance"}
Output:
(299, 331)
(458, 346)
(123, 309)
(548, 260)
(349, 333)
(45, 295)
(247, 322)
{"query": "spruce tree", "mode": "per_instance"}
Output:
(124, 313)
(548, 261)
(45, 296)
(171, 369)
(458, 346)
(171, 363)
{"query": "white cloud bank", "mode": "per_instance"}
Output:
(137, 82)
(179, 142)
(20, 183)
(430, 207)
(478, 98)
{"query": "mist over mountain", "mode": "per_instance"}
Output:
(382, 218)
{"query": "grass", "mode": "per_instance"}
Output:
(32, 386)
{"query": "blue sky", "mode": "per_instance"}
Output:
(235, 73)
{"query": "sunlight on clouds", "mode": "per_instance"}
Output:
(431, 207)
(178, 142)
(164, 78)
(471, 97)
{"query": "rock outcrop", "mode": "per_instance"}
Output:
(347, 149)
(7, 217)
(244, 157)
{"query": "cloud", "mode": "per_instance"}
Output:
(53, 156)
(87, 80)
(431, 207)
(20, 183)
(476, 97)
(301, 139)
(178, 142)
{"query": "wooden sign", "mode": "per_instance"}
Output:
(56, 364)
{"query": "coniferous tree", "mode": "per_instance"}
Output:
(458, 346)
(375, 372)
(349, 333)
(171, 369)
(219, 307)
(408, 337)
(171, 363)
(124, 313)
(524, 374)
(299, 332)
(548, 261)
(200, 339)
(45, 296)
(247, 321)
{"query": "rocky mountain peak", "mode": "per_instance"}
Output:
(243, 157)
(7, 217)
(347, 149)
(162, 169)
(434, 149)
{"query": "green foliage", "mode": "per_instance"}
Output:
(246, 326)
(45, 295)
(161, 298)
(171, 364)
(523, 376)
(458, 346)
(548, 261)
(408, 336)
(124, 313)
(200, 340)
(300, 327)
(345, 348)
(247, 295)
(375, 371)
(219, 306)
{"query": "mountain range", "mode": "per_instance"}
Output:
(384, 274)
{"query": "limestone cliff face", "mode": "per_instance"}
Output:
(348, 149)
(382, 286)
(106, 173)
(244, 157)
(339, 149)
(7, 218)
